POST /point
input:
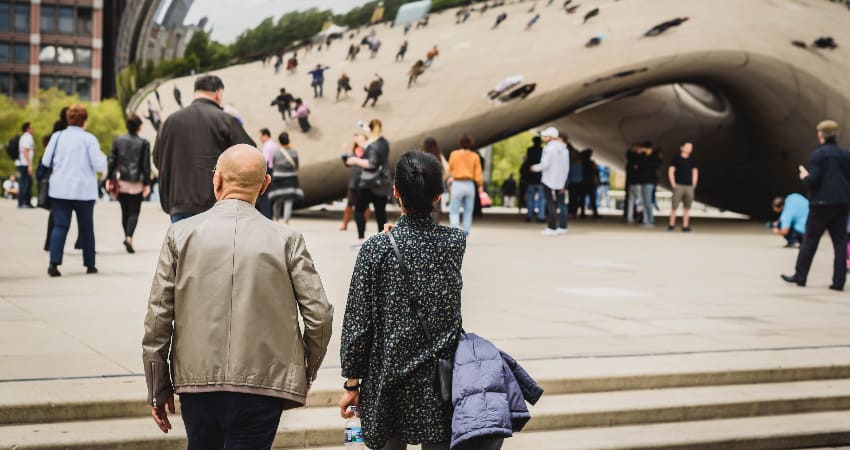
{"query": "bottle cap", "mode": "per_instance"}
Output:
(352, 408)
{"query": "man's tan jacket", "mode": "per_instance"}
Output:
(225, 300)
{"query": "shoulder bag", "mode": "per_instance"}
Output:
(43, 175)
(371, 179)
(443, 367)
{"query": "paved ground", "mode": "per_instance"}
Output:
(603, 290)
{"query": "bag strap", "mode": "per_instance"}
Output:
(55, 148)
(286, 155)
(413, 303)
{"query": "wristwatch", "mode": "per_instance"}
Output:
(345, 386)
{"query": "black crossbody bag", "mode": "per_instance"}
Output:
(443, 367)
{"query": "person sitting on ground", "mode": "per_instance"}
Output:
(374, 90)
(417, 69)
(343, 84)
(11, 188)
(503, 85)
(519, 93)
(664, 26)
(793, 213)
(594, 41)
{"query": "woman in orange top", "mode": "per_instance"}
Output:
(466, 175)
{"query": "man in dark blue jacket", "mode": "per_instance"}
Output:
(829, 179)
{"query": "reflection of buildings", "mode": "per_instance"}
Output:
(168, 39)
(47, 44)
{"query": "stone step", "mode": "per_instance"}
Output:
(321, 426)
(102, 398)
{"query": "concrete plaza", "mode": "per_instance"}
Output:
(603, 290)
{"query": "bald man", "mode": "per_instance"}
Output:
(225, 300)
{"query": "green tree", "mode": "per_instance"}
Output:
(508, 156)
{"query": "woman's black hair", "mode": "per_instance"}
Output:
(283, 138)
(134, 123)
(418, 181)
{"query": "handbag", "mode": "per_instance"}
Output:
(442, 372)
(43, 175)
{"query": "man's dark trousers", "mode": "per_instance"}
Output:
(832, 219)
(231, 420)
(25, 187)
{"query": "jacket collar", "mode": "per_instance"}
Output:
(207, 101)
(416, 221)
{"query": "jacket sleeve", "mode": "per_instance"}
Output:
(313, 305)
(357, 324)
(815, 171)
(159, 324)
(96, 156)
(531, 391)
(545, 160)
(146, 163)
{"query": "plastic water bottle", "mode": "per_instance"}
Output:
(353, 431)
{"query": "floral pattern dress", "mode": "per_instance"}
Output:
(383, 342)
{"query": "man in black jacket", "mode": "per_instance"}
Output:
(828, 177)
(187, 147)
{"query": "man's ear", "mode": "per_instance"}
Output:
(217, 184)
(266, 182)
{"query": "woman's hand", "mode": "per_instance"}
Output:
(349, 398)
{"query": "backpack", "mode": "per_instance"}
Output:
(12, 148)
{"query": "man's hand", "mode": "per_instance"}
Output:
(350, 398)
(388, 227)
(146, 191)
(803, 172)
(160, 415)
(29, 169)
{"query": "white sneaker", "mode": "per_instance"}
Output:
(549, 232)
(561, 231)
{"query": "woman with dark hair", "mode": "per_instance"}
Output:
(74, 157)
(385, 356)
(430, 146)
(374, 185)
(467, 178)
(357, 150)
(59, 125)
(285, 188)
(129, 176)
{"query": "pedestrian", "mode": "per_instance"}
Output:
(269, 149)
(466, 178)
(535, 201)
(283, 101)
(683, 175)
(58, 126)
(554, 167)
(302, 113)
(129, 176)
(631, 174)
(358, 148)
(793, 213)
(278, 63)
(431, 55)
(828, 176)
(646, 177)
(430, 146)
(509, 191)
(532, 22)
(154, 116)
(374, 90)
(589, 184)
(590, 14)
(187, 147)
(24, 164)
(602, 196)
(417, 69)
(352, 52)
(343, 84)
(664, 26)
(292, 63)
(401, 51)
(74, 159)
(318, 82)
(374, 186)
(224, 308)
(499, 19)
(284, 190)
(575, 182)
(178, 96)
(399, 324)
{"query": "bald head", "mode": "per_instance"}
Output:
(240, 173)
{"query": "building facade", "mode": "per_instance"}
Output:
(51, 43)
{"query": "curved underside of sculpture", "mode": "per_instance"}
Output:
(728, 80)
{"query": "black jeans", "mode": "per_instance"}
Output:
(231, 420)
(365, 197)
(304, 123)
(24, 187)
(556, 208)
(131, 205)
(825, 218)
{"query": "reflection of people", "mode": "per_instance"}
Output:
(664, 26)
(503, 85)
(205, 285)
(284, 103)
(343, 84)
(374, 90)
(828, 177)
(387, 359)
(178, 97)
(521, 92)
(793, 213)
(318, 82)
(417, 69)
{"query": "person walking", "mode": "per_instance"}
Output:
(386, 358)
(401, 52)
(554, 167)
(129, 176)
(589, 184)
(374, 90)
(74, 159)
(509, 191)
(58, 126)
(302, 113)
(374, 186)
(343, 84)
(24, 164)
(415, 71)
(430, 146)
(466, 178)
(227, 293)
(318, 82)
(535, 202)
(187, 147)
(154, 116)
(431, 55)
(828, 176)
(683, 175)
(358, 148)
(285, 189)
(283, 101)
(269, 148)
(178, 97)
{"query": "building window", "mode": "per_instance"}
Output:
(48, 19)
(84, 21)
(4, 53)
(65, 84)
(20, 86)
(5, 21)
(22, 17)
(84, 89)
(46, 82)
(66, 19)
(5, 86)
(83, 56)
(22, 54)
(47, 55)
